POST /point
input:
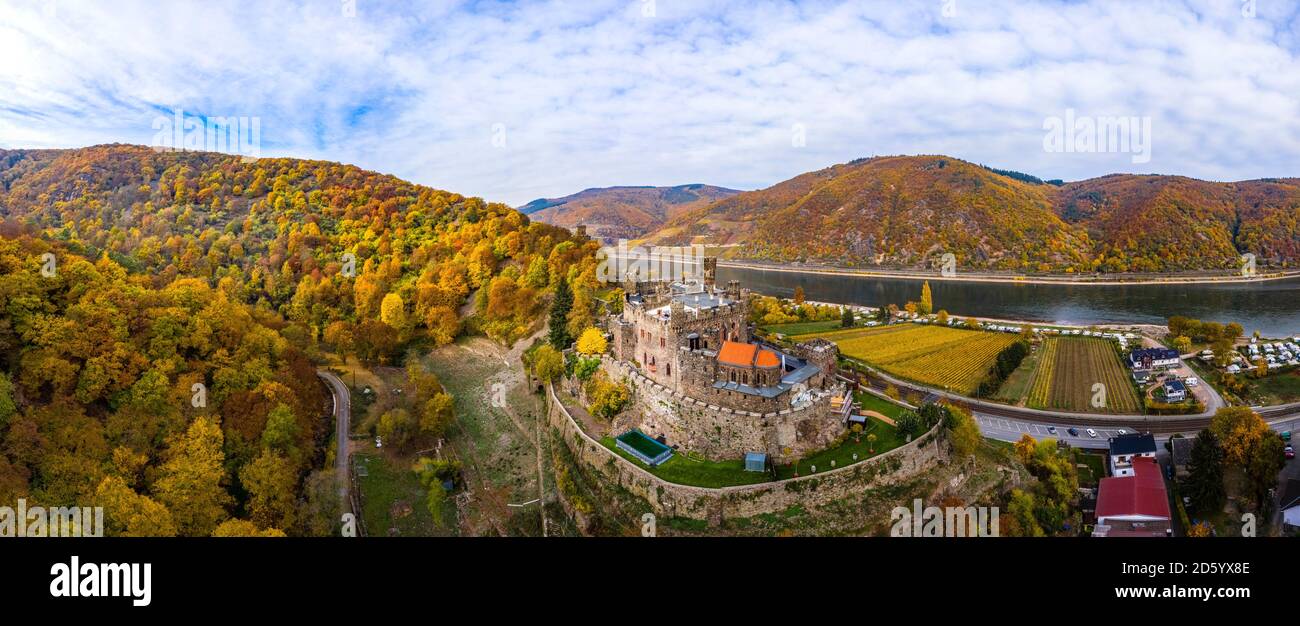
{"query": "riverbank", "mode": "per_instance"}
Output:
(1021, 279)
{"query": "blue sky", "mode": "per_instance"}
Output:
(518, 100)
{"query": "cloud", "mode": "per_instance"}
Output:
(605, 92)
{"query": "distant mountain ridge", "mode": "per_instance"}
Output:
(623, 212)
(908, 211)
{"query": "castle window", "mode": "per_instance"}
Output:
(668, 369)
(662, 342)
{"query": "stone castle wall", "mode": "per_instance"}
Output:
(645, 338)
(705, 426)
(673, 500)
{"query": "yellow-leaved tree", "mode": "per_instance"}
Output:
(392, 311)
(1239, 430)
(592, 341)
(190, 482)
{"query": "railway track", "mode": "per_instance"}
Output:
(1157, 424)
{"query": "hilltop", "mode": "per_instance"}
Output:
(623, 212)
(905, 212)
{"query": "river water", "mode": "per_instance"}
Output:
(1272, 307)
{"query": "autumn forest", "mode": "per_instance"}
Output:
(163, 316)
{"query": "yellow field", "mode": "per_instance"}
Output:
(937, 356)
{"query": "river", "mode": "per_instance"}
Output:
(1271, 307)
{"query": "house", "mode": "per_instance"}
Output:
(1289, 504)
(1175, 391)
(1134, 506)
(1182, 454)
(1141, 377)
(1148, 358)
(1125, 448)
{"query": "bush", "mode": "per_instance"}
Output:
(606, 397)
(583, 368)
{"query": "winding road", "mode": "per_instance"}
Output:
(342, 425)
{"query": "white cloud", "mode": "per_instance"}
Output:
(592, 93)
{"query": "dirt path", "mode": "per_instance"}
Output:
(511, 376)
(492, 382)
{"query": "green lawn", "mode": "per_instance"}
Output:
(684, 471)
(386, 492)
(886, 439)
(1016, 387)
(804, 328)
(872, 402)
(1276, 388)
(1095, 470)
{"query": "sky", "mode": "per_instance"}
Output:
(513, 101)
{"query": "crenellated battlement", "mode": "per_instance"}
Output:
(687, 349)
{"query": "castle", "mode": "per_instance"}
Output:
(707, 387)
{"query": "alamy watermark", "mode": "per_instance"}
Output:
(179, 132)
(673, 263)
(952, 521)
(55, 521)
(1106, 134)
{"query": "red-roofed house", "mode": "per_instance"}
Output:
(1134, 506)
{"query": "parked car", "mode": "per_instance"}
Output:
(1092, 433)
(1074, 432)
(379, 442)
(1121, 431)
(1286, 435)
(1289, 451)
(1051, 429)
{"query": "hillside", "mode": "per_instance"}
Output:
(613, 213)
(1172, 223)
(128, 276)
(906, 212)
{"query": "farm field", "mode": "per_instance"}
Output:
(937, 356)
(1068, 368)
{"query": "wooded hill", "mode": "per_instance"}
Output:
(171, 269)
(614, 213)
(907, 211)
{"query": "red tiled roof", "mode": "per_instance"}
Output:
(1142, 494)
(746, 354)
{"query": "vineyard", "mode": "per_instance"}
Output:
(931, 355)
(1068, 369)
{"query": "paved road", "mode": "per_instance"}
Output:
(1142, 423)
(342, 425)
(1010, 429)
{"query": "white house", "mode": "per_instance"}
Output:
(1154, 357)
(1289, 503)
(1125, 448)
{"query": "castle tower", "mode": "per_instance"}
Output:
(733, 289)
(710, 272)
(582, 231)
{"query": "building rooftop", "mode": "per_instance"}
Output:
(1290, 495)
(1157, 354)
(1137, 497)
(1134, 443)
(746, 355)
(766, 392)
